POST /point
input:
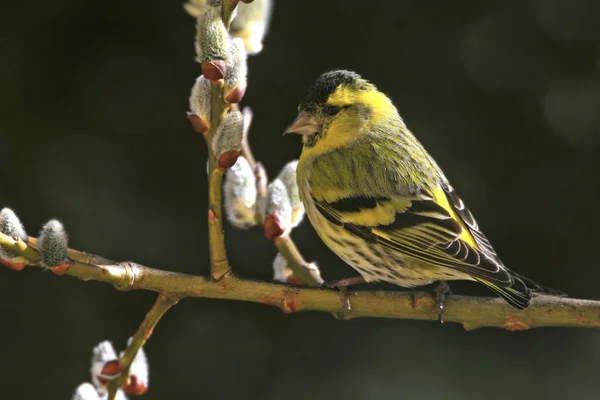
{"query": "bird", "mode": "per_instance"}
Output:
(381, 203)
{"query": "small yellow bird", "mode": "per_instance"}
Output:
(380, 201)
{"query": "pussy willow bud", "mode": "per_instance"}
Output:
(103, 354)
(200, 100)
(212, 40)
(53, 244)
(251, 24)
(227, 142)
(278, 211)
(288, 177)
(11, 226)
(85, 391)
(239, 192)
(283, 273)
(138, 380)
(237, 70)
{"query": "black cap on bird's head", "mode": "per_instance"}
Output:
(327, 83)
(314, 111)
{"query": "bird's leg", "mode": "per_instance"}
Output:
(441, 292)
(343, 284)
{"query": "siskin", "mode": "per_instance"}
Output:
(380, 201)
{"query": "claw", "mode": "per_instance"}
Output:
(441, 293)
(342, 285)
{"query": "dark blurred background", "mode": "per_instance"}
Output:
(504, 94)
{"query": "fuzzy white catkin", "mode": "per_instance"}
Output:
(282, 272)
(11, 225)
(102, 353)
(252, 23)
(239, 192)
(212, 38)
(288, 177)
(237, 67)
(85, 391)
(53, 244)
(229, 134)
(278, 203)
(200, 98)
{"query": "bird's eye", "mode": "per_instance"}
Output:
(332, 110)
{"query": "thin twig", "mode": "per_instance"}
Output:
(471, 312)
(219, 265)
(162, 304)
(296, 262)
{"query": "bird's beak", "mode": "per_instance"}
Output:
(304, 124)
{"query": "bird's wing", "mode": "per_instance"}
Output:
(434, 228)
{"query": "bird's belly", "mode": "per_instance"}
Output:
(371, 260)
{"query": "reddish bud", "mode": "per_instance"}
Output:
(214, 70)
(211, 216)
(198, 123)
(236, 94)
(14, 266)
(227, 159)
(134, 386)
(273, 227)
(60, 269)
(110, 371)
(292, 280)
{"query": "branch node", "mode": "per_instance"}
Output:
(61, 269)
(15, 266)
(514, 323)
(222, 272)
(288, 304)
(212, 218)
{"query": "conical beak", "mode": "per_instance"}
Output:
(304, 124)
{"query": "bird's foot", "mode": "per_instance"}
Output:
(342, 285)
(441, 293)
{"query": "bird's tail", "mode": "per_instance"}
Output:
(517, 295)
(536, 287)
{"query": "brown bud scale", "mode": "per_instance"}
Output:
(134, 386)
(236, 94)
(198, 124)
(227, 159)
(273, 227)
(13, 266)
(214, 70)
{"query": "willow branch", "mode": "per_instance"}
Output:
(162, 304)
(219, 265)
(471, 312)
